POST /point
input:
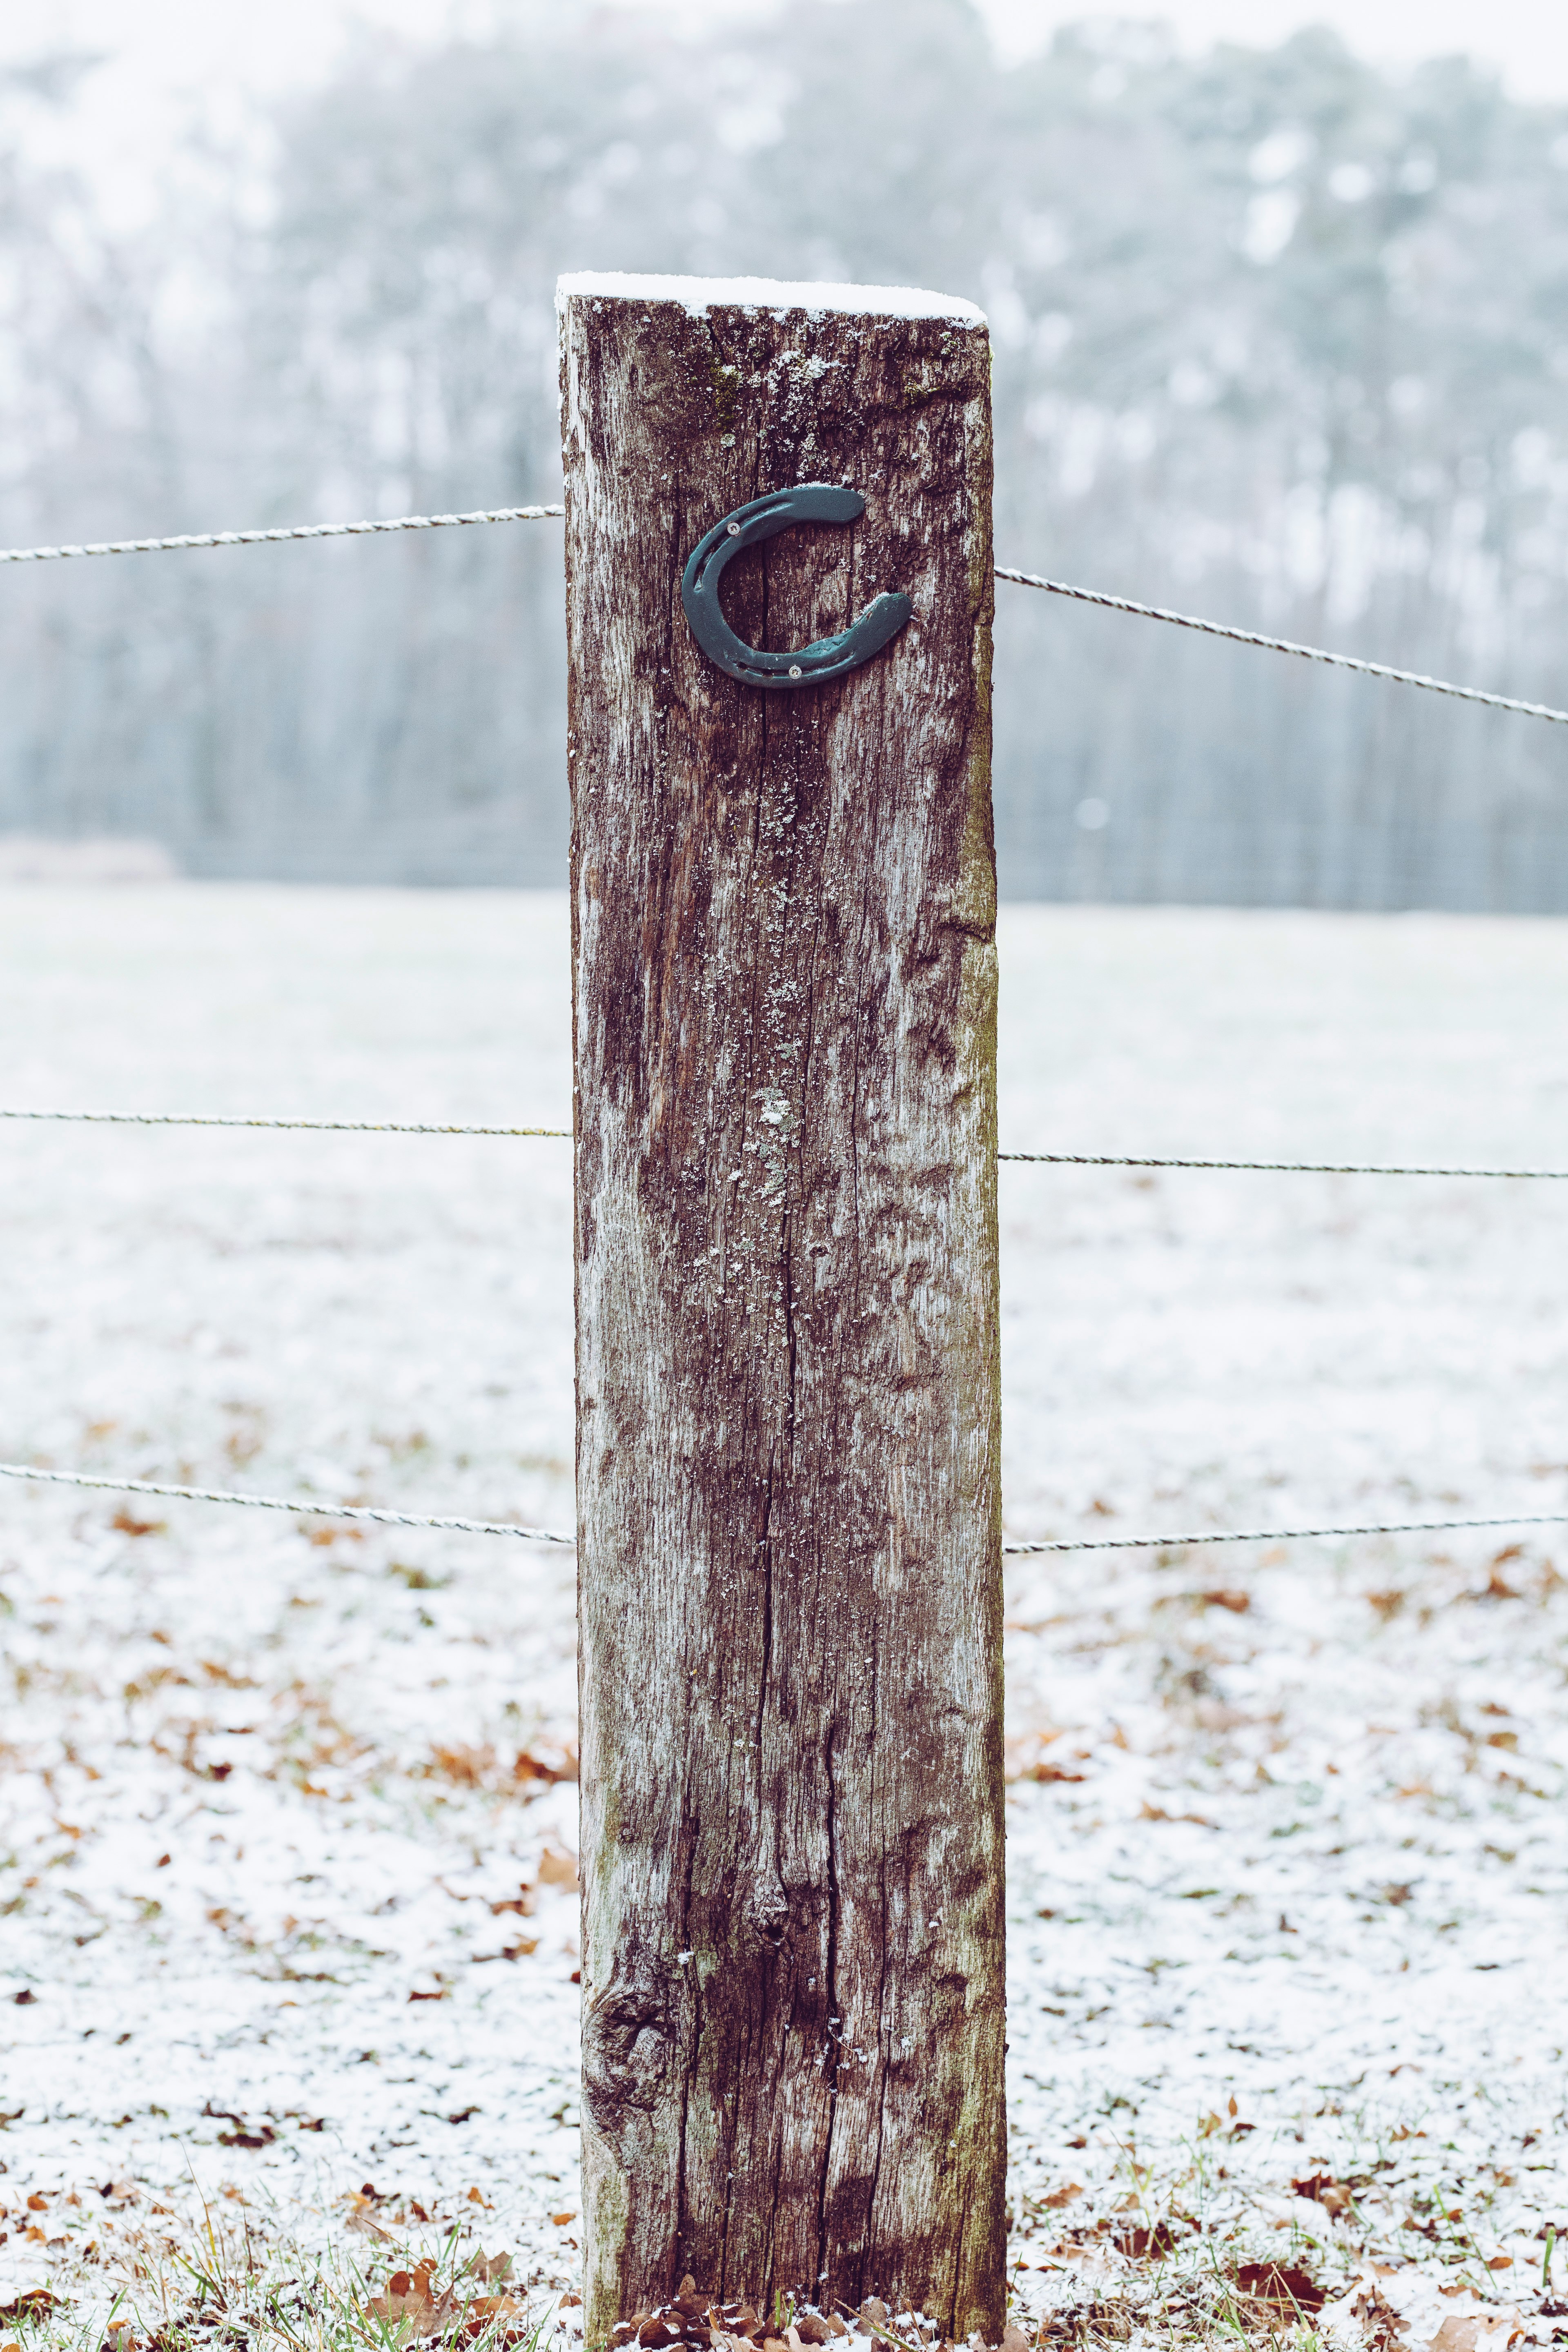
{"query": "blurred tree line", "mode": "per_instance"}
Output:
(1279, 337)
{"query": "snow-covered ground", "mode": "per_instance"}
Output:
(1285, 1823)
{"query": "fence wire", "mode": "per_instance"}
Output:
(1280, 1167)
(309, 1126)
(563, 1135)
(1281, 645)
(300, 1508)
(369, 526)
(380, 525)
(1191, 1539)
(372, 525)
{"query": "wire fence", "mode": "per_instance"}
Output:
(371, 525)
(563, 1135)
(301, 1507)
(304, 1507)
(310, 1508)
(1282, 646)
(274, 536)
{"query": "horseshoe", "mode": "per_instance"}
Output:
(830, 657)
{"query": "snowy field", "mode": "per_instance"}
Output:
(287, 1817)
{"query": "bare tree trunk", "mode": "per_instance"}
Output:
(789, 1512)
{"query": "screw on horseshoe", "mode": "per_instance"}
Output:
(830, 657)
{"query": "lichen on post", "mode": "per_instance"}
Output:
(784, 1008)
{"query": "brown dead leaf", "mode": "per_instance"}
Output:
(560, 2219)
(487, 2311)
(1455, 2334)
(1282, 2284)
(362, 2214)
(490, 2268)
(1064, 2196)
(1143, 2245)
(38, 2303)
(1382, 2327)
(127, 1522)
(1238, 1603)
(557, 1869)
(408, 2304)
(1324, 2189)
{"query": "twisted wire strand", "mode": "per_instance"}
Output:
(369, 526)
(312, 1126)
(563, 1135)
(1290, 1535)
(555, 1535)
(1280, 1167)
(1281, 644)
(281, 1503)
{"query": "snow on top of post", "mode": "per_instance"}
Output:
(702, 294)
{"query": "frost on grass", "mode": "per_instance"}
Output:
(288, 1816)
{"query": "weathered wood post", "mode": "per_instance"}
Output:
(785, 1001)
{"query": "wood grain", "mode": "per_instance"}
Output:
(784, 1004)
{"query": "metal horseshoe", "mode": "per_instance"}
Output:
(813, 664)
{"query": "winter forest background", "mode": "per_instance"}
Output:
(1279, 338)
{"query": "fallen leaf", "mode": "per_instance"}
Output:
(1324, 2189)
(409, 2303)
(1140, 2244)
(1382, 2327)
(36, 2303)
(1064, 2196)
(362, 2204)
(560, 2219)
(1282, 2284)
(557, 1869)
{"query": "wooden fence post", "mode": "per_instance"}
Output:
(784, 1015)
